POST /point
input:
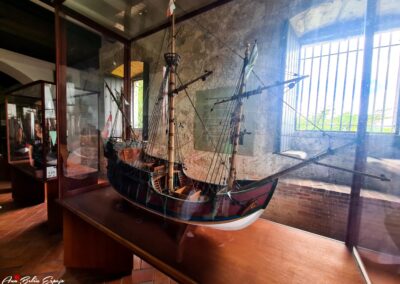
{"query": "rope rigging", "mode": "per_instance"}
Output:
(236, 53)
(218, 169)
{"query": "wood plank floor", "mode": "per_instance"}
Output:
(293, 256)
(381, 267)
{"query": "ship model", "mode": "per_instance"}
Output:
(162, 186)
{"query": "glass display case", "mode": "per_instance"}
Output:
(320, 110)
(82, 167)
(4, 168)
(31, 129)
(3, 128)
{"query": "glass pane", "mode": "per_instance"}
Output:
(50, 130)
(3, 130)
(25, 130)
(321, 112)
(194, 164)
(90, 108)
(132, 18)
(320, 194)
(379, 236)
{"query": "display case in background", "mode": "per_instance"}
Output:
(4, 168)
(87, 109)
(81, 166)
(32, 141)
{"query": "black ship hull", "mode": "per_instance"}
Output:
(204, 204)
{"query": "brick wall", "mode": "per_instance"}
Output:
(322, 208)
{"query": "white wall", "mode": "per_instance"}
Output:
(25, 69)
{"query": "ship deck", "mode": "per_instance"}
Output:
(264, 252)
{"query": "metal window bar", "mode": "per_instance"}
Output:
(397, 101)
(344, 86)
(341, 92)
(370, 124)
(310, 81)
(335, 86)
(299, 102)
(355, 78)
(386, 83)
(290, 96)
(326, 86)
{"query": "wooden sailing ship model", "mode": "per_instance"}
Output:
(163, 187)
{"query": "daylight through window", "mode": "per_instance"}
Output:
(330, 97)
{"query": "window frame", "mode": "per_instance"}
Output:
(353, 28)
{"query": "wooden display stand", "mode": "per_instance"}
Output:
(27, 188)
(84, 247)
(4, 168)
(98, 235)
(78, 176)
(31, 189)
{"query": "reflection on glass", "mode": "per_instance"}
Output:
(82, 116)
(36, 147)
(130, 19)
(24, 114)
(87, 107)
(379, 233)
(50, 130)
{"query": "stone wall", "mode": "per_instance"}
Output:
(206, 43)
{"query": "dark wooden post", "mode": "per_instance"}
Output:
(353, 223)
(61, 105)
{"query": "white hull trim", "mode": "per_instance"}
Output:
(238, 224)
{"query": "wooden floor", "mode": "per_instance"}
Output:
(380, 270)
(263, 252)
(292, 256)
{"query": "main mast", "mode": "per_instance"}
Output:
(172, 61)
(236, 122)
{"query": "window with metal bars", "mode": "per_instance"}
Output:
(329, 99)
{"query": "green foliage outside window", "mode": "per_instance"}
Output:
(345, 122)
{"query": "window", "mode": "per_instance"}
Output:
(137, 104)
(329, 99)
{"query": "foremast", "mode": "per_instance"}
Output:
(171, 59)
(236, 120)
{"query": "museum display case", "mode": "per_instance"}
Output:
(31, 130)
(4, 168)
(32, 145)
(82, 165)
(295, 119)
(89, 110)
